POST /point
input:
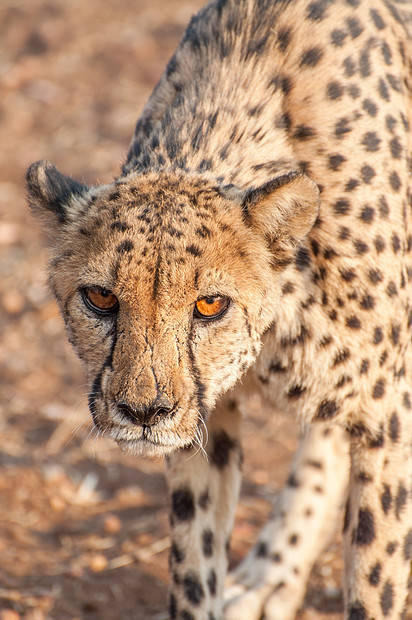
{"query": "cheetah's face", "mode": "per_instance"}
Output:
(166, 286)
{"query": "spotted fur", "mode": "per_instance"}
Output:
(270, 166)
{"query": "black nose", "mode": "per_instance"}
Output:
(146, 415)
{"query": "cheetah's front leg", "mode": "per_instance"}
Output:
(204, 488)
(378, 521)
(271, 581)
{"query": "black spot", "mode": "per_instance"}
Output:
(394, 427)
(186, 615)
(400, 500)
(222, 447)
(360, 246)
(370, 107)
(383, 90)
(125, 246)
(334, 90)
(212, 582)
(177, 555)
(364, 367)
(371, 141)
(262, 550)
(367, 302)
(207, 543)
(338, 37)
(407, 546)
(355, 27)
(387, 598)
(193, 589)
(406, 401)
(353, 322)
(396, 148)
(193, 249)
(283, 121)
(357, 611)
(288, 288)
(377, 19)
(391, 289)
(378, 389)
(347, 275)
(375, 276)
(365, 533)
(316, 10)
(367, 173)
(351, 185)
(172, 607)
(120, 226)
(375, 574)
(292, 481)
(311, 57)
(391, 548)
(377, 441)
(342, 128)
(204, 500)
(302, 260)
(354, 91)
(395, 181)
(335, 162)
(341, 206)
(383, 207)
(386, 499)
(364, 478)
(296, 391)
(380, 244)
(327, 410)
(183, 505)
(387, 57)
(364, 62)
(395, 331)
(393, 80)
(303, 132)
(293, 539)
(349, 67)
(284, 36)
(341, 357)
(367, 214)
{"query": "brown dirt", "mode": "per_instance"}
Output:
(83, 528)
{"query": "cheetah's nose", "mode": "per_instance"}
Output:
(146, 415)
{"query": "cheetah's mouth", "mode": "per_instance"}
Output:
(149, 442)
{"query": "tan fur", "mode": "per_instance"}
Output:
(265, 107)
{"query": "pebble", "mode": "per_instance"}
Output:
(9, 614)
(112, 524)
(98, 562)
(13, 302)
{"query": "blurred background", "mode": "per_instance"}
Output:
(83, 528)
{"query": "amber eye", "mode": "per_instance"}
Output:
(211, 307)
(100, 300)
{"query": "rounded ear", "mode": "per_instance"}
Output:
(52, 196)
(283, 210)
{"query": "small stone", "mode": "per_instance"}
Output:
(112, 524)
(12, 302)
(9, 614)
(98, 562)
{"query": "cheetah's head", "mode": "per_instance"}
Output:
(166, 283)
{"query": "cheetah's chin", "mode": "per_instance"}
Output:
(142, 447)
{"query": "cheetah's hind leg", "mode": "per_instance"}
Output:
(271, 580)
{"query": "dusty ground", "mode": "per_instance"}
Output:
(83, 528)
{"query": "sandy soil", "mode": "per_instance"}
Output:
(83, 528)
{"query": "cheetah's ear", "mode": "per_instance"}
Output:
(284, 209)
(53, 196)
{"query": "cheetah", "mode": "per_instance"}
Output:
(259, 237)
